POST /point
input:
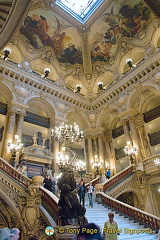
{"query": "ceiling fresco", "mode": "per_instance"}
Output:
(44, 28)
(124, 19)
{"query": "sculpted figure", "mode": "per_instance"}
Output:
(70, 210)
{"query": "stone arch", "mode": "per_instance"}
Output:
(139, 97)
(6, 92)
(13, 209)
(130, 197)
(78, 117)
(107, 117)
(41, 103)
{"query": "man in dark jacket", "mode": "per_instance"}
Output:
(48, 183)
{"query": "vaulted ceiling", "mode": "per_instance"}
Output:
(42, 36)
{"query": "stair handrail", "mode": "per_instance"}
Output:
(94, 181)
(52, 203)
(114, 179)
(150, 159)
(14, 173)
(133, 212)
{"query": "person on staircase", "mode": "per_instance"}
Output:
(81, 192)
(108, 174)
(90, 190)
(110, 229)
(48, 183)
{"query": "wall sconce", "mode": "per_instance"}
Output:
(78, 86)
(131, 151)
(129, 62)
(46, 71)
(100, 86)
(7, 51)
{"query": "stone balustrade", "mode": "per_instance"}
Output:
(5, 166)
(150, 166)
(117, 178)
(135, 213)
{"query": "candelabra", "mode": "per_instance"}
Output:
(129, 62)
(100, 86)
(78, 87)
(7, 51)
(14, 148)
(80, 167)
(67, 133)
(131, 151)
(46, 71)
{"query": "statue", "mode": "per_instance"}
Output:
(40, 139)
(70, 210)
(34, 139)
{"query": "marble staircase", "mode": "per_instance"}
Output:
(99, 214)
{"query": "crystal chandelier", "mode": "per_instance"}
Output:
(15, 147)
(66, 160)
(67, 133)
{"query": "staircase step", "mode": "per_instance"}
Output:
(99, 214)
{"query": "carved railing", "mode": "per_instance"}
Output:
(135, 213)
(154, 138)
(149, 164)
(50, 203)
(6, 167)
(94, 181)
(117, 132)
(152, 114)
(37, 119)
(117, 178)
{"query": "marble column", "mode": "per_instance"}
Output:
(90, 153)
(8, 135)
(144, 141)
(110, 152)
(85, 153)
(20, 124)
(136, 143)
(126, 131)
(101, 152)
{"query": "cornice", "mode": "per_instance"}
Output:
(126, 83)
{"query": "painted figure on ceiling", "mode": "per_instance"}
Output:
(36, 30)
(127, 22)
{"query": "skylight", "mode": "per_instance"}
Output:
(79, 9)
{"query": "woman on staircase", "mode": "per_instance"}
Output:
(90, 190)
(111, 228)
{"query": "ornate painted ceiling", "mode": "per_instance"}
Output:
(47, 37)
